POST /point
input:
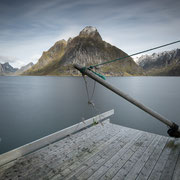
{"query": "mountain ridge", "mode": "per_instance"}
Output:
(23, 68)
(165, 63)
(7, 69)
(85, 49)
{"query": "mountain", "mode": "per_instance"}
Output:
(166, 63)
(87, 48)
(7, 69)
(24, 68)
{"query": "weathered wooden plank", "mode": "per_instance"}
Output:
(28, 163)
(75, 160)
(138, 146)
(63, 158)
(62, 145)
(106, 155)
(93, 148)
(176, 175)
(86, 157)
(114, 169)
(124, 171)
(90, 160)
(100, 152)
(49, 165)
(146, 170)
(18, 152)
(171, 163)
(126, 151)
(133, 173)
(74, 140)
(158, 168)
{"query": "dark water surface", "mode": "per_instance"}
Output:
(33, 107)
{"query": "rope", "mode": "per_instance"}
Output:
(87, 91)
(111, 61)
(89, 102)
(90, 98)
(94, 87)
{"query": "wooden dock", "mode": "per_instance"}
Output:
(102, 152)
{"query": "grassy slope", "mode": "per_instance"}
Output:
(92, 49)
(171, 70)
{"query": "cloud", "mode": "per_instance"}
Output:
(4, 59)
(16, 63)
(30, 27)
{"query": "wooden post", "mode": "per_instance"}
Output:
(174, 127)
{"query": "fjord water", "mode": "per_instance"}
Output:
(33, 107)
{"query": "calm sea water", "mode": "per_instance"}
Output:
(33, 107)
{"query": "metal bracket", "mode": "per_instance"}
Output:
(173, 131)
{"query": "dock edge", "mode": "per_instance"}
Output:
(30, 147)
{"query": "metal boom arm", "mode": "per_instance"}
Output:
(174, 130)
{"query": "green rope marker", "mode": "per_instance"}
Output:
(98, 74)
(83, 69)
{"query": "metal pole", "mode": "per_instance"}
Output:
(164, 120)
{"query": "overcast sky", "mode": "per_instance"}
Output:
(29, 27)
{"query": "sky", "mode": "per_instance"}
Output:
(29, 27)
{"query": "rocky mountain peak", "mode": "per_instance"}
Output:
(157, 60)
(69, 40)
(90, 31)
(6, 64)
(24, 68)
(162, 63)
(85, 49)
(61, 42)
(31, 64)
(6, 68)
(1, 68)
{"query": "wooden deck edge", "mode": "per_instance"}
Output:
(30, 147)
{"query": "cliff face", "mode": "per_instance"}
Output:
(1, 69)
(24, 68)
(161, 64)
(7, 69)
(86, 49)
